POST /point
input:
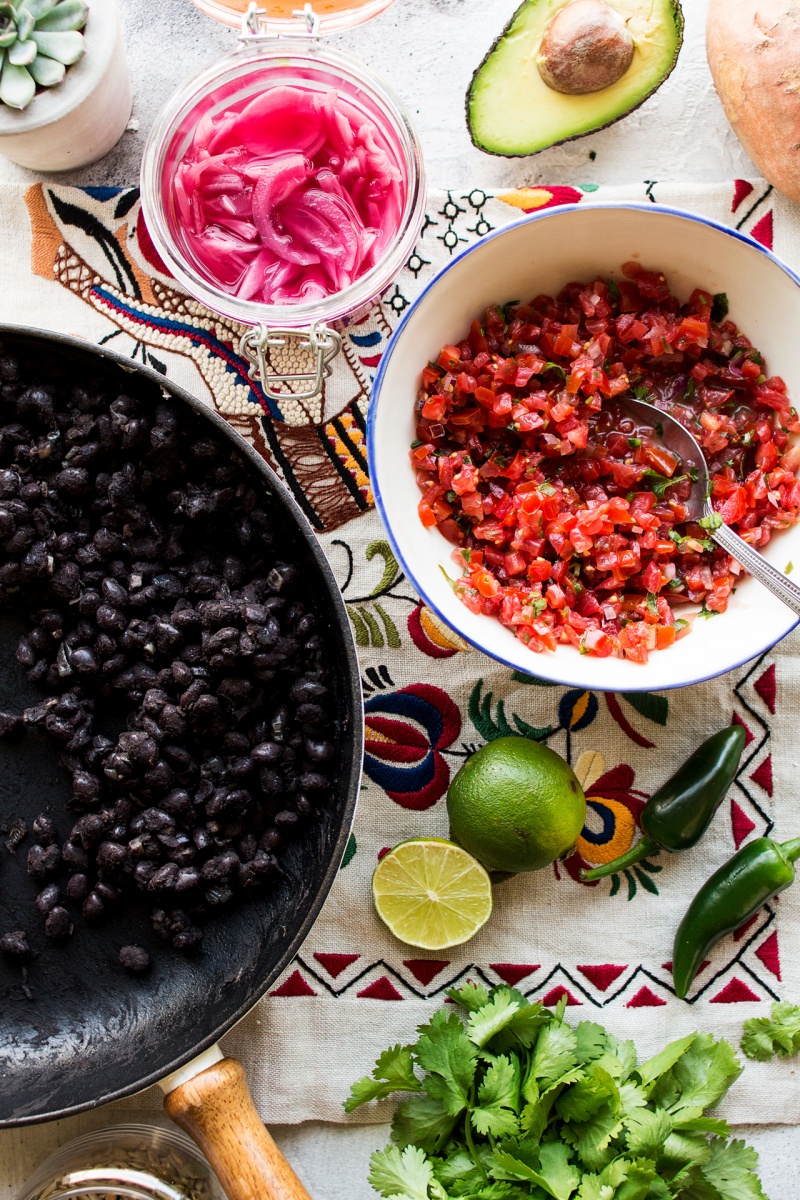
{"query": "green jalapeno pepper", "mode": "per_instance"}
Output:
(678, 814)
(730, 897)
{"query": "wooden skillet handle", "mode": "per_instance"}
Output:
(216, 1109)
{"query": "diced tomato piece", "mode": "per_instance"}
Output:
(665, 636)
(449, 357)
(551, 492)
(598, 643)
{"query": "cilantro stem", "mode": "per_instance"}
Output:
(473, 1153)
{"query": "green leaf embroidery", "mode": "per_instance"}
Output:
(390, 568)
(649, 705)
(375, 635)
(392, 636)
(361, 631)
(522, 677)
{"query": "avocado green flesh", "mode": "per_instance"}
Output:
(512, 111)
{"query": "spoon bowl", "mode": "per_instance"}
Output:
(683, 444)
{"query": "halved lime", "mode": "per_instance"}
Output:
(431, 893)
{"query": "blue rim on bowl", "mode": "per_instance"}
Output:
(383, 366)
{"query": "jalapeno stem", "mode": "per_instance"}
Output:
(791, 850)
(644, 847)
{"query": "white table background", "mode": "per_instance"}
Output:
(427, 50)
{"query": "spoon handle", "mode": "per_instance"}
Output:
(778, 583)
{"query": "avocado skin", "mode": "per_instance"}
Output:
(677, 16)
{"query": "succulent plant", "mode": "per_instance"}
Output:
(39, 39)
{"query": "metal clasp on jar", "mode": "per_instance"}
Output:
(255, 23)
(320, 342)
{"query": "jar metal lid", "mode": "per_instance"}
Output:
(334, 15)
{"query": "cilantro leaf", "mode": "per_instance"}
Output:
(553, 1172)
(592, 1139)
(590, 1041)
(458, 1167)
(515, 1104)
(445, 1051)
(522, 1030)
(660, 482)
(631, 1096)
(701, 1077)
(422, 1121)
(646, 1130)
(704, 1125)
(560, 1177)
(593, 1188)
(640, 1174)
(778, 1034)
(603, 1186)
(393, 1072)
(720, 307)
(494, 1016)
(731, 1169)
(624, 1053)
(470, 996)
(649, 1071)
(498, 1097)
(408, 1173)
(684, 1150)
(613, 289)
(584, 1098)
(555, 1052)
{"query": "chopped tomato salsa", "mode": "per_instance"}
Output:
(567, 516)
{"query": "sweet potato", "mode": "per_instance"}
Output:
(753, 49)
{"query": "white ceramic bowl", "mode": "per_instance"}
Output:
(540, 254)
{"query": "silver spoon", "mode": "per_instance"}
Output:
(683, 444)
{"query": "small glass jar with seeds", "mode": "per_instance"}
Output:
(126, 1162)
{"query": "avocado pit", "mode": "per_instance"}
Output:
(586, 47)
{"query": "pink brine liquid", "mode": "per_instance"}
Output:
(289, 196)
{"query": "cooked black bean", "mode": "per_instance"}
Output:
(58, 924)
(15, 945)
(134, 959)
(48, 898)
(43, 861)
(44, 830)
(135, 545)
(78, 886)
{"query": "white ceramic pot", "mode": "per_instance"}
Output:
(78, 121)
(541, 254)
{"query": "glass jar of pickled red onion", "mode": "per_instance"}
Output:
(284, 189)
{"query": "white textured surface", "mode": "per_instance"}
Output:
(427, 50)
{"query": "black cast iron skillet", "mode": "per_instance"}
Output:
(91, 1033)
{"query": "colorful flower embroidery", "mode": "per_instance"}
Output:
(405, 732)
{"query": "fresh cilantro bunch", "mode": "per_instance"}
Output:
(778, 1034)
(509, 1102)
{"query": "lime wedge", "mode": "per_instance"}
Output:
(431, 893)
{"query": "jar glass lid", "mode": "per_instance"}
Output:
(333, 14)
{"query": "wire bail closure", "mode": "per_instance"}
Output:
(324, 343)
(255, 22)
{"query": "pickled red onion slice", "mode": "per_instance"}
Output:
(289, 196)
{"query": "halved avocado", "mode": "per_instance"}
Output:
(512, 111)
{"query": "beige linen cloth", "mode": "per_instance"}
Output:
(79, 261)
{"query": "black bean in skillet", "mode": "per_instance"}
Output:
(185, 679)
(134, 959)
(15, 945)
